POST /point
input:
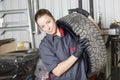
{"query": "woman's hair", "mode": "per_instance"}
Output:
(42, 12)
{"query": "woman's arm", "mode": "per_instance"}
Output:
(64, 66)
(67, 64)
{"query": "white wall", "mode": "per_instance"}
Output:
(108, 9)
(0, 5)
(58, 8)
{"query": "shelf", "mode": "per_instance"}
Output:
(15, 11)
(15, 28)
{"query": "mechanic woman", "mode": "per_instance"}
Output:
(61, 51)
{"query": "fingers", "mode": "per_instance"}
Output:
(83, 41)
(77, 38)
(86, 46)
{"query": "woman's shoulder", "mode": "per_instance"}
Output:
(46, 41)
(43, 41)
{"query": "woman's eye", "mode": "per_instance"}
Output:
(42, 27)
(48, 22)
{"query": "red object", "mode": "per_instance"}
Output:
(93, 78)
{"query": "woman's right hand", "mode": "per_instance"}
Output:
(81, 44)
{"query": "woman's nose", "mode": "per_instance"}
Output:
(48, 27)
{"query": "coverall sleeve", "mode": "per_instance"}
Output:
(48, 56)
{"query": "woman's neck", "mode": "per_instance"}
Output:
(58, 32)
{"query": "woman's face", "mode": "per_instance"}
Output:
(47, 24)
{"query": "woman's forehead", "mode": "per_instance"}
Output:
(43, 18)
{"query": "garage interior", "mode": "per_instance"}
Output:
(20, 37)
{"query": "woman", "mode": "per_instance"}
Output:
(61, 51)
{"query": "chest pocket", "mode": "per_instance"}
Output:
(63, 45)
(62, 49)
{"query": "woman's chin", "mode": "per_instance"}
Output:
(51, 33)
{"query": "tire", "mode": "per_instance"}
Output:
(81, 25)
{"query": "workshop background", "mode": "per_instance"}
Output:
(105, 11)
(17, 18)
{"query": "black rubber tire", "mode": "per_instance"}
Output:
(82, 26)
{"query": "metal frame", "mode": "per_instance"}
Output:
(16, 11)
(36, 7)
(15, 28)
(91, 7)
(30, 15)
(80, 4)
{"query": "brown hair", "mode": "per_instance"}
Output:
(42, 12)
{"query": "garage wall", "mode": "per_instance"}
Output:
(20, 19)
(107, 9)
(58, 8)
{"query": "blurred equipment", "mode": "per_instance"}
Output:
(4, 41)
(113, 41)
(113, 30)
(18, 65)
(11, 45)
